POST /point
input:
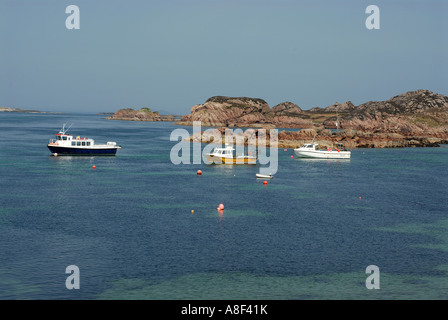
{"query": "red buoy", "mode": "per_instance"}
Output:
(265, 182)
(292, 157)
(221, 206)
(199, 172)
(286, 149)
(93, 167)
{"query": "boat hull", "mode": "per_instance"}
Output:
(319, 154)
(82, 151)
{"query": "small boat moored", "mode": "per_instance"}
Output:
(311, 150)
(264, 176)
(67, 144)
(226, 156)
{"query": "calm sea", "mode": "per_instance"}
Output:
(129, 227)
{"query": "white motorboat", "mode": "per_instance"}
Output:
(226, 156)
(311, 150)
(264, 176)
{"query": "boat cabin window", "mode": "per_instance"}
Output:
(78, 143)
(84, 143)
(88, 143)
(58, 137)
(73, 143)
(64, 138)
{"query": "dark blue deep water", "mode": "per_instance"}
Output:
(129, 227)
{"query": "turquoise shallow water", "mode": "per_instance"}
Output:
(128, 224)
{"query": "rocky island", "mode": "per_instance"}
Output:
(412, 119)
(144, 114)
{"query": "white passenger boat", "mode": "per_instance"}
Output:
(311, 150)
(67, 144)
(227, 156)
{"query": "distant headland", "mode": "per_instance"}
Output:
(143, 114)
(10, 109)
(412, 119)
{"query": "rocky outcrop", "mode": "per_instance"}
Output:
(288, 115)
(337, 107)
(286, 109)
(412, 102)
(420, 112)
(246, 112)
(228, 111)
(325, 138)
(415, 118)
(144, 114)
(357, 139)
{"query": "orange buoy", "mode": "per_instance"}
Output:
(55, 154)
(199, 172)
(265, 182)
(221, 206)
(360, 198)
(93, 167)
(192, 211)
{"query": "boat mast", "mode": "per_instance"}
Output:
(337, 122)
(69, 127)
(63, 131)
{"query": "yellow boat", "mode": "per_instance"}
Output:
(226, 156)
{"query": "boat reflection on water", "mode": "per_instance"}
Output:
(67, 162)
(67, 159)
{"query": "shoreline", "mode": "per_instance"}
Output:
(351, 139)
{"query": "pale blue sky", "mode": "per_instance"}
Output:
(171, 55)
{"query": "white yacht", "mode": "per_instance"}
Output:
(311, 150)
